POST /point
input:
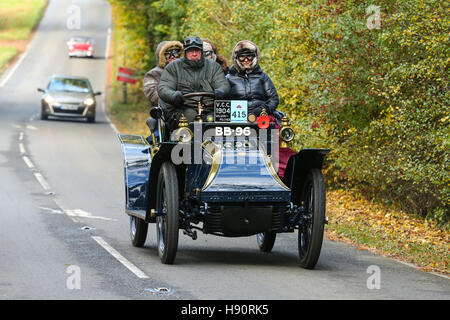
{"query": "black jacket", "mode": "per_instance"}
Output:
(255, 87)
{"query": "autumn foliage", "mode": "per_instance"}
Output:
(370, 83)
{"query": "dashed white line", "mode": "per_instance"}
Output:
(28, 162)
(22, 148)
(20, 136)
(42, 181)
(138, 272)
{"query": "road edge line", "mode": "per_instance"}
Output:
(138, 272)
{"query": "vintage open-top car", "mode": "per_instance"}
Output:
(221, 175)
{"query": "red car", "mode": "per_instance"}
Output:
(81, 47)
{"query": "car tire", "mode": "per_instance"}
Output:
(311, 229)
(44, 116)
(91, 119)
(138, 231)
(266, 240)
(167, 204)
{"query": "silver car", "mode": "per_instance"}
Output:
(68, 96)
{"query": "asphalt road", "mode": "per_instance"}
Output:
(63, 231)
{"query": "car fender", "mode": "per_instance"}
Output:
(298, 166)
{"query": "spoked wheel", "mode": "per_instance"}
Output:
(167, 220)
(138, 231)
(311, 229)
(266, 240)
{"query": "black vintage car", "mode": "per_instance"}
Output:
(219, 175)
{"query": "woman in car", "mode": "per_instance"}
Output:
(249, 82)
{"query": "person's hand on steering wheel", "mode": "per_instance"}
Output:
(178, 98)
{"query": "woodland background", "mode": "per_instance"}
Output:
(371, 87)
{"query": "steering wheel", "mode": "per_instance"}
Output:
(199, 94)
(202, 95)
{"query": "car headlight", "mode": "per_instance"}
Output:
(49, 99)
(89, 101)
(183, 135)
(287, 134)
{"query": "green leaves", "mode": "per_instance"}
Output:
(378, 97)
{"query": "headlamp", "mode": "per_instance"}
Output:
(48, 99)
(89, 101)
(287, 134)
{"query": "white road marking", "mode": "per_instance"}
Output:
(64, 208)
(13, 68)
(108, 42)
(22, 148)
(20, 136)
(74, 213)
(50, 210)
(32, 127)
(28, 162)
(42, 181)
(120, 258)
(84, 214)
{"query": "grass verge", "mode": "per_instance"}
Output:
(18, 18)
(387, 231)
(129, 118)
(7, 53)
(17, 21)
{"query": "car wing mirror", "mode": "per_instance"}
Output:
(40, 90)
(97, 93)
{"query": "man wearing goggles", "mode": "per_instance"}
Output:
(192, 73)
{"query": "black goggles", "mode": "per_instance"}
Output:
(172, 53)
(193, 42)
(208, 53)
(248, 57)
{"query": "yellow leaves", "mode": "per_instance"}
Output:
(393, 228)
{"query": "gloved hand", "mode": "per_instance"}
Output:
(219, 95)
(178, 98)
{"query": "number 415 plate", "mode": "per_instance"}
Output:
(230, 111)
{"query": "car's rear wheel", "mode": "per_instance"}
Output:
(266, 240)
(138, 231)
(168, 216)
(311, 227)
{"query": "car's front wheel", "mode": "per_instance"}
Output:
(91, 119)
(168, 217)
(312, 222)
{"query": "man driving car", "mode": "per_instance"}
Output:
(192, 73)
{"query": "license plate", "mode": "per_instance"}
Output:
(230, 111)
(68, 107)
